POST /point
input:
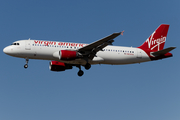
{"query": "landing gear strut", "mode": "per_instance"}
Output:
(26, 65)
(87, 67)
(80, 73)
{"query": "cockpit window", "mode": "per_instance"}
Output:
(15, 43)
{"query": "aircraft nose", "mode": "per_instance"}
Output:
(6, 50)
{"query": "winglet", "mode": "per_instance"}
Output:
(121, 33)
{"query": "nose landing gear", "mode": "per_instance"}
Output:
(26, 65)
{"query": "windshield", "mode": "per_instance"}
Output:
(15, 44)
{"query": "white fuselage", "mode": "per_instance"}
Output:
(45, 50)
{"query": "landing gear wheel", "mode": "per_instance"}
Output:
(25, 66)
(87, 66)
(80, 73)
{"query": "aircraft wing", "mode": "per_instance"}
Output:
(91, 49)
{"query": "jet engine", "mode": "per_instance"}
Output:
(66, 55)
(59, 66)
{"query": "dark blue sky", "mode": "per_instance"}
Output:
(146, 91)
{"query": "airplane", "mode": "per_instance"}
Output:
(66, 55)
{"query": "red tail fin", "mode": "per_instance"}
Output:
(157, 39)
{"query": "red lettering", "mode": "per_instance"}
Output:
(129, 54)
(35, 41)
(45, 42)
(80, 45)
(67, 44)
(50, 43)
(72, 44)
(40, 42)
(61, 43)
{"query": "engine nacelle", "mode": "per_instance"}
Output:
(59, 66)
(66, 55)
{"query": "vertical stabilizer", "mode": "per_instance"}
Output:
(157, 39)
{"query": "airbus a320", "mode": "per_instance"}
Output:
(65, 55)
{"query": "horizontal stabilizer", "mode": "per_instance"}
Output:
(162, 52)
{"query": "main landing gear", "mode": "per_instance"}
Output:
(87, 67)
(26, 65)
(80, 73)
